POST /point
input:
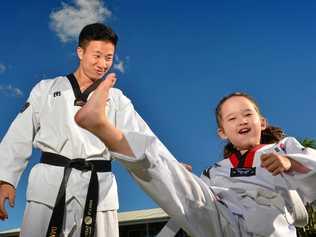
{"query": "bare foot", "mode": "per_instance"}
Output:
(92, 115)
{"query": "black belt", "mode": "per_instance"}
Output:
(90, 209)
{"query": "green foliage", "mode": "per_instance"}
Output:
(307, 142)
(310, 229)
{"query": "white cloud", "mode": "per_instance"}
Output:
(68, 21)
(9, 90)
(3, 68)
(120, 66)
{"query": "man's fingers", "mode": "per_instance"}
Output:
(11, 199)
(3, 212)
(7, 191)
(2, 216)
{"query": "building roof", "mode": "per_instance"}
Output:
(142, 216)
(125, 218)
(10, 232)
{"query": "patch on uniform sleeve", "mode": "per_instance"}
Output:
(25, 106)
(280, 147)
(283, 147)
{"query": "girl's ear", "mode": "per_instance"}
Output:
(264, 123)
(221, 133)
(80, 52)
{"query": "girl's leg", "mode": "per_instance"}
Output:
(184, 196)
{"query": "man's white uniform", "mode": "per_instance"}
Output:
(217, 204)
(47, 122)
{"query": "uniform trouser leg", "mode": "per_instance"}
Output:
(107, 224)
(37, 216)
(35, 220)
(186, 198)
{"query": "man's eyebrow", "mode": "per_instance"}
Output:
(99, 52)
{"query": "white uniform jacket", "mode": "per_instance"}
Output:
(47, 122)
(263, 199)
(217, 204)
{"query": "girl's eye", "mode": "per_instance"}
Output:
(231, 119)
(249, 114)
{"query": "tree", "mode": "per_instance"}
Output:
(307, 142)
(310, 229)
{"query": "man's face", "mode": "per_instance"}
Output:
(96, 58)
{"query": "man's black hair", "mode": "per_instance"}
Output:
(97, 31)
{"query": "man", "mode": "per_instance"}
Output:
(72, 190)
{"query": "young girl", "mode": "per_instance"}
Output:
(249, 193)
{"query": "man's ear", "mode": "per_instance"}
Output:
(80, 52)
(264, 123)
(221, 133)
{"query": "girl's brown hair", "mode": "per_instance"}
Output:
(269, 135)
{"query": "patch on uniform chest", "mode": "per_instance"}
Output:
(243, 163)
(242, 172)
(57, 93)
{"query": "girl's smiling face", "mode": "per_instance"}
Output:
(241, 123)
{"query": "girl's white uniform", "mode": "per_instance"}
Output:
(47, 123)
(217, 204)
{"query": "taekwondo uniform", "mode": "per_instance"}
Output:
(47, 122)
(226, 200)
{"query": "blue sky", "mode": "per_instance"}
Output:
(175, 60)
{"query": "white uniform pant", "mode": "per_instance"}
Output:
(37, 216)
(186, 198)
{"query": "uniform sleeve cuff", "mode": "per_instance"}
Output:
(139, 144)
